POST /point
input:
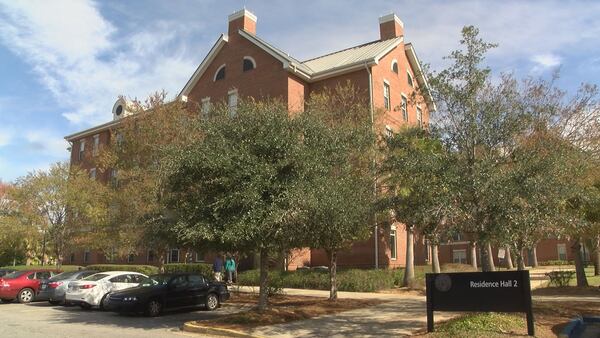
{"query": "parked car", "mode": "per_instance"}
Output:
(167, 291)
(4, 272)
(54, 289)
(91, 291)
(23, 285)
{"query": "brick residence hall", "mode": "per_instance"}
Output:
(241, 64)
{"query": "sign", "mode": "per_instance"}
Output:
(503, 291)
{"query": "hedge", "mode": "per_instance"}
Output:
(51, 267)
(145, 269)
(348, 280)
(201, 268)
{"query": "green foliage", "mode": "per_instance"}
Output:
(480, 324)
(145, 269)
(51, 267)
(201, 268)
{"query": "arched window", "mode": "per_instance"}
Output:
(395, 66)
(220, 74)
(410, 79)
(249, 63)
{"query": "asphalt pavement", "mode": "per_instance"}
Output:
(40, 319)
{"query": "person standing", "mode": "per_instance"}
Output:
(218, 268)
(230, 268)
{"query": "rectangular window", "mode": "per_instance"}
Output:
(386, 96)
(119, 139)
(86, 256)
(459, 256)
(72, 258)
(232, 100)
(205, 107)
(174, 256)
(93, 173)
(409, 79)
(389, 132)
(113, 178)
(81, 149)
(404, 108)
(151, 256)
(198, 257)
(562, 251)
(96, 146)
(457, 237)
(393, 253)
(131, 258)
(419, 117)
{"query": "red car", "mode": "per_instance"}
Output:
(23, 285)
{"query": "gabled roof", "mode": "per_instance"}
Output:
(368, 52)
(342, 61)
(421, 76)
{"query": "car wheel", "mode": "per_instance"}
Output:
(212, 302)
(55, 302)
(153, 308)
(25, 296)
(102, 301)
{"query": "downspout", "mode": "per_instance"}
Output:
(376, 230)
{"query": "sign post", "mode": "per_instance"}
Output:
(505, 291)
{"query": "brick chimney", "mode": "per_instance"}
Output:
(242, 19)
(390, 26)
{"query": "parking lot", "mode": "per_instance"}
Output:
(40, 319)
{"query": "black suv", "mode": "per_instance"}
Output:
(168, 291)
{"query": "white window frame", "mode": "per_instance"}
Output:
(93, 173)
(205, 106)
(197, 257)
(81, 149)
(96, 144)
(251, 59)
(233, 93)
(218, 70)
(395, 62)
(171, 255)
(404, 107)
(393, 243)
(387, 101)
(411, 83)
(389, 132)
(419, 116)
(464, 251)
(561, 245)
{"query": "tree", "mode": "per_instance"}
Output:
(418, 181)
(15, 236)
(58, 203)
(243, 182)
(339, 202)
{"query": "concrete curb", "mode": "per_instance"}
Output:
(197, 328)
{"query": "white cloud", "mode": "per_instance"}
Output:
(46, 143)
(6, 136)
(546, 60)
(84, 61)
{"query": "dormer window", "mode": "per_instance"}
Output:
(395, 66)
(220, 74)
(249, 63)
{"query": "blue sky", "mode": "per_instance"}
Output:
(63, 63)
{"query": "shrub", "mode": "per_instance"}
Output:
(201, 268)
(145, 269)
(51, 267)
(556, 262)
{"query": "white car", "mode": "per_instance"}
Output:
(93, 290)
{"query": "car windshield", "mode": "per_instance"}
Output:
(155, 280)
(96, 277)
(15, 274)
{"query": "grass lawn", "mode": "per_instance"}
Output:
(282, 309)
(589, 273)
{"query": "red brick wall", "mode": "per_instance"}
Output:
(88, 160)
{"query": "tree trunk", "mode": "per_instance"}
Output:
(520, 261)
(579, 268)
(409, 271)
(263, 294)
(597, 257)
(534, 261)
(435, 259)
(507, 256)
(489, 256)
(473, 251)
(332, 274)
